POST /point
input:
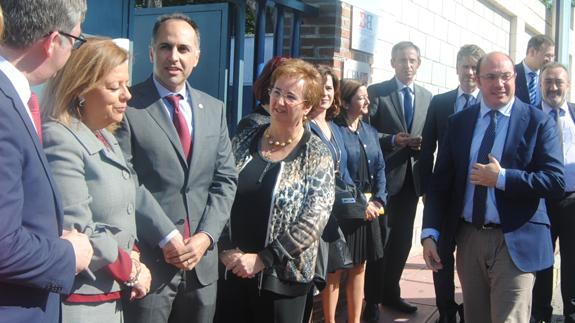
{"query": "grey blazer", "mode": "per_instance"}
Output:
(99, 195)
(203, 190)
(386, 115)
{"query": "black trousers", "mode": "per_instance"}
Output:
(443, 280)
(382, 278)
(240, 301)
(562, 217)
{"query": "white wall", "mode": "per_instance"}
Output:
(440, 27)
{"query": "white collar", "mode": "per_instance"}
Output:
(163, 92)
(18, 80)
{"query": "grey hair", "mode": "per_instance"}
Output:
(472, 51)
(27, 21)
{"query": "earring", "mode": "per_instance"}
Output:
(81, 103)
(304, 118)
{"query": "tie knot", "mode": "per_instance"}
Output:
(33, 104)
(532, 75)
(406, 90)
(174, 100)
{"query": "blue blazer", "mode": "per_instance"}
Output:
(534, 162)
(35, 264)
(369, 138)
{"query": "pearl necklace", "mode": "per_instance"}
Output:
(274, 142)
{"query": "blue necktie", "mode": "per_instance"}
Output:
(407, 107)
(533, 91)
(468, 101)
(480, 194)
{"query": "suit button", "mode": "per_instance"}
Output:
(364, 146)
(125, 174)
(130, 208)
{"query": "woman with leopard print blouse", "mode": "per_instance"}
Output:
(284, 199)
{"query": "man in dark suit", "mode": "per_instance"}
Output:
(397, 110)
(37, 262)
(555, 85)
(177, 139)
(497, 163)
(440, 108)
(540, 51)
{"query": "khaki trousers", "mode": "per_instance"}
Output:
(494, 289)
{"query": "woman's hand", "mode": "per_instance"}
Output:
(229, 256)
(372, 211)
(247, 265)
(142, 287)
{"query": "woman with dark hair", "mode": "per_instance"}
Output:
(261, 88)
(283, 201)
(322, 126)
(366, 167)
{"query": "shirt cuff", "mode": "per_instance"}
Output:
(211, 239)
(429, 232)
(167, 238)
(500, 185)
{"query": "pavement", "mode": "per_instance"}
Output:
(417, 288)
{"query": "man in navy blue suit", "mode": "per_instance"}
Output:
(37, 262)
(554, 87)
(497, 163)
(540, 51)
(440, 108)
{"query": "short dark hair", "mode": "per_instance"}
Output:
(404, 45)
(335, 108)
(174, 16)
(469, 50)
(262, 84)
(538, 41)
(27, 21)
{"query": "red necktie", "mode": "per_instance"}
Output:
(181, 124)
(183, 131)
(35, 112)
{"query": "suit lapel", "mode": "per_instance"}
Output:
(420, 111)
(200, 121)
(467, 129)
(158, 112)
(396, 103)
(571, 110)
(22, 112)
(518, 122)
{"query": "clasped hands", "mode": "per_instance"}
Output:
(142, 277)
(186, 253)
(403, 139)
(244, 265)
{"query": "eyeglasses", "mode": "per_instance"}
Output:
(78, 40)
(289, 99)
(491, 77)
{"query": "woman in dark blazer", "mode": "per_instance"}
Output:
(99, 194)
(366, 167)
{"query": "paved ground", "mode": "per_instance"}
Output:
(417, 287)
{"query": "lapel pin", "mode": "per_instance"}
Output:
(201, 106)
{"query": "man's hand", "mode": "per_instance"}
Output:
(247, 266)
(174, 247)
(194, 249)
(82, 248)
(415, 142)
(430, 255)
(402, 139)
(485, 175)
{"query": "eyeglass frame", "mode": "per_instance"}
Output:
(284, 96)
(78, 40)
(495, 77)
